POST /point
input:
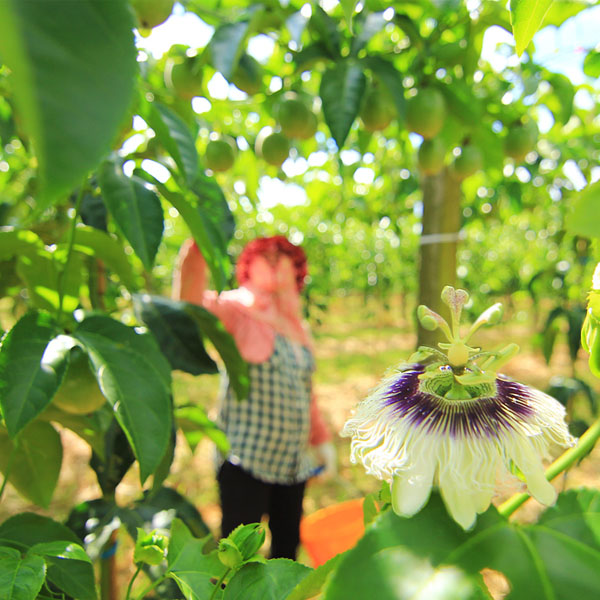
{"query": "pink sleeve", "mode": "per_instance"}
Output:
(254, 340)
(319, 431)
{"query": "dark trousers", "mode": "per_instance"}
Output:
(245, 499)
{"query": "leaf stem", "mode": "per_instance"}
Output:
(62, 273)
(9, 465)
(562, 463)
(153, 585)
(137, 572)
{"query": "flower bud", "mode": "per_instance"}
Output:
(241, 545)
(229, 554)
(150, 548)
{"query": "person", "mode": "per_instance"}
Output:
(277, 431)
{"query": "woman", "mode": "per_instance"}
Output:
(272, 431)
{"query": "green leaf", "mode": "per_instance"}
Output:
(69, 568)
(313, 583)
(33, 462)
(21, 578)
(186, 516)
(40, 273)
(135, 208)
(226, 45)
(272, 580)
(109, 250)
(180, 536)
(559, 557)
(73, 66)
(30, 371)
(27, 529)
(136, 379)
(194, 571)
(16, 242)
(341, 90)
(176, 138)
(526, 17)
(176, 333)
(462, 103)
(202, 230)
(591, 64)
(367, 25)
(237, 368)
(195, 426)
(564, 93)
(584, 218)
(326, 29)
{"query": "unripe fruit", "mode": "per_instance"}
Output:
(467, 163)
(184, 77)
(431, 156)
(296, 119)
(425, 112)
(274, 148)
(377, 111)
(220, 155)
(247, 76)
(79, 393)
(520, 140)
(151, 13)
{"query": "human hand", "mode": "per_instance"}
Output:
(327, 458)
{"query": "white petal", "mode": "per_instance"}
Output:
(528, 461)
(459, 505)
(411, 488)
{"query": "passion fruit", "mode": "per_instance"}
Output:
(248, 75)
(272, 146)
(296, 119)
(184, 77)
(426, 112)
(220, 154)
(467, 163)
(431, 156)
(378, 110)
(79, 393)
(151, 13)
(520, 140)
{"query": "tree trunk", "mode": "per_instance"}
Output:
(439, 241)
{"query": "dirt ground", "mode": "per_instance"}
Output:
(349, 365)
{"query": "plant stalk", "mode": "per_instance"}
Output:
(562, 463)
(63, 272)
(218, 584)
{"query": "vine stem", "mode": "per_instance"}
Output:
(562, 463)
(8, 469)
(153, 585)
(63, 272)
(218, 584)
(137, 572)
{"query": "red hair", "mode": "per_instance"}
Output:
(277, 244)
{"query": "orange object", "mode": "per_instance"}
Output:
(332, 530)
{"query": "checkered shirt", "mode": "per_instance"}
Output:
(269, 432)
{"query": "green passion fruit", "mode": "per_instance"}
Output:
(296, 119)
(151, 13)
(431, 156)
(467, 163)
(378, 110)
(220, 154)
(248, 75)
(426, 112)
(184, 77)
(273, 147)
(79, 393)
(520, 140)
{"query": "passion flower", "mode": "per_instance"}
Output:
(451, 421)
